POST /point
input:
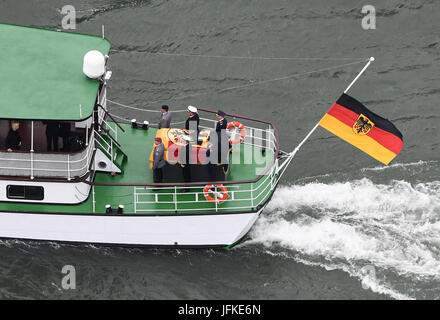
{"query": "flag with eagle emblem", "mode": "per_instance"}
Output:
(351, 121)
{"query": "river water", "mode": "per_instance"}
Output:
(341, 225)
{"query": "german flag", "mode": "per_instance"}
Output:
(351, 121)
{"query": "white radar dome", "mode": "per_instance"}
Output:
(94, 64)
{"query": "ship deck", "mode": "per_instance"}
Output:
(137, 145)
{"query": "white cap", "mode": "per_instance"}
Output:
(186, 138)
(192, 109)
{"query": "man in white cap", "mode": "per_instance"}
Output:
(192, 123)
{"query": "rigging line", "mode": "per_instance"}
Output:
(242, 86)
(268, 80)
(289, 76)
(191, 55)
(139, 109)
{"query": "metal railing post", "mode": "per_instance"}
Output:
(216, 197)
(87, 135)
(90, 148)
(252, 196)
(111, 150)
(135, 199)
(32, 164)
(93, 200)
(175, 198)
(68, 167)
(32, 150)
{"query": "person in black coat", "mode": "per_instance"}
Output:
(165, 117)
(185, 161)
(158, 161)
(192, 123)
(64, 132)
(13, 139)
(211, 163)
(52, 134)
(222, 138)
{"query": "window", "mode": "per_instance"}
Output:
(25, 192)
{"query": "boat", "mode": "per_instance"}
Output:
(98, 188)
(92, 182)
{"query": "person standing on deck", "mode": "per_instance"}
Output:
(165, 118)
(211, 163)
(158, 160)
(222, 138)
(185, 156)
(52, 134)
(13, 140)
(192, 123)
(65, 134)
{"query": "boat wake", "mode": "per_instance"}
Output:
(385, 234)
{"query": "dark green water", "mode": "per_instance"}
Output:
(337, 214)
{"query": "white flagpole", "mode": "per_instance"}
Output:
(360, 73)
(292, 154)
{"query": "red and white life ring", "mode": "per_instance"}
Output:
(241, 127)
(222, 193)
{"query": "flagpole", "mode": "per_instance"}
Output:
(292, 154)
(360, 73)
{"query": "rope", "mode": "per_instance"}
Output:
(289, 76)
(139, 109)
(237, 57)
(238, 87)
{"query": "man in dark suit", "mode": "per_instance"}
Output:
(52, 134)
(13, 140)
(158, 160)
(185, 160)
(211, 162)
(165, 118)
(192, 123)
(64, 132)
(222, 138)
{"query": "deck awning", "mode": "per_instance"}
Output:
(41, 75)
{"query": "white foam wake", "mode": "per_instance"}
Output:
(395, 228)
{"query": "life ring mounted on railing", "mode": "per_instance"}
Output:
(241, 127)
(220, 197)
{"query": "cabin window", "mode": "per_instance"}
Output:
(25, 192)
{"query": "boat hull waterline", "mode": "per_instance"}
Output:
(199, 230)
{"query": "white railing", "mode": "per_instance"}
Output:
(47, 165)
(258, 137)
(242, 196)
(101, 115)
(107, 147)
